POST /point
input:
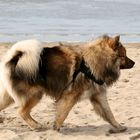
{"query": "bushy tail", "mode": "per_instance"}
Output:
(23, 58)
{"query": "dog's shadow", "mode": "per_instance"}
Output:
(96, 130)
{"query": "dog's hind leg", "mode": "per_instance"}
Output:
(63, 107)
(24, 112)
(102, 108)
(5, 99)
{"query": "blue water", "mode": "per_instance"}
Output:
(69, 20)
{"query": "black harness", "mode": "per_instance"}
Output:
(87, 72)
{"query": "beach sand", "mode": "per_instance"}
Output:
(82, 122)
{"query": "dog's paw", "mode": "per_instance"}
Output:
(36, 127)
(118, 130)
(56, 128)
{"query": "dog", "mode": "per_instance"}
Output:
(65, 73)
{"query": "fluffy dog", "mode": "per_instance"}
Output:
(29, 69)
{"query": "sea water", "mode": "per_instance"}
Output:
(69, 20)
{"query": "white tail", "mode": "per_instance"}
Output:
(28, 63)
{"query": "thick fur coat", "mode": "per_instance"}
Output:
(29, 70)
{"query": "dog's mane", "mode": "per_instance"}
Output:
(101, 59)
(97, 41)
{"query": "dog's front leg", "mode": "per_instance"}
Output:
(63, 107)
(102, 108)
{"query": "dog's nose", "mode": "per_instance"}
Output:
(128, 64)
(131, 63)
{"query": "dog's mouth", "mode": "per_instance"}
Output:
(128, 64)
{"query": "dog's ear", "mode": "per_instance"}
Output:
(117, 40)
(114, 42)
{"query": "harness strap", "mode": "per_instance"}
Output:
(87, 72)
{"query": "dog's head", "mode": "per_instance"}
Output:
(105, 56)
(116, 45)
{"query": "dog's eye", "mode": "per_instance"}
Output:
(122, 57)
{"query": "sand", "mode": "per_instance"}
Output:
(82, 122)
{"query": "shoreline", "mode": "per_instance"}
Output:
(8, 44)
